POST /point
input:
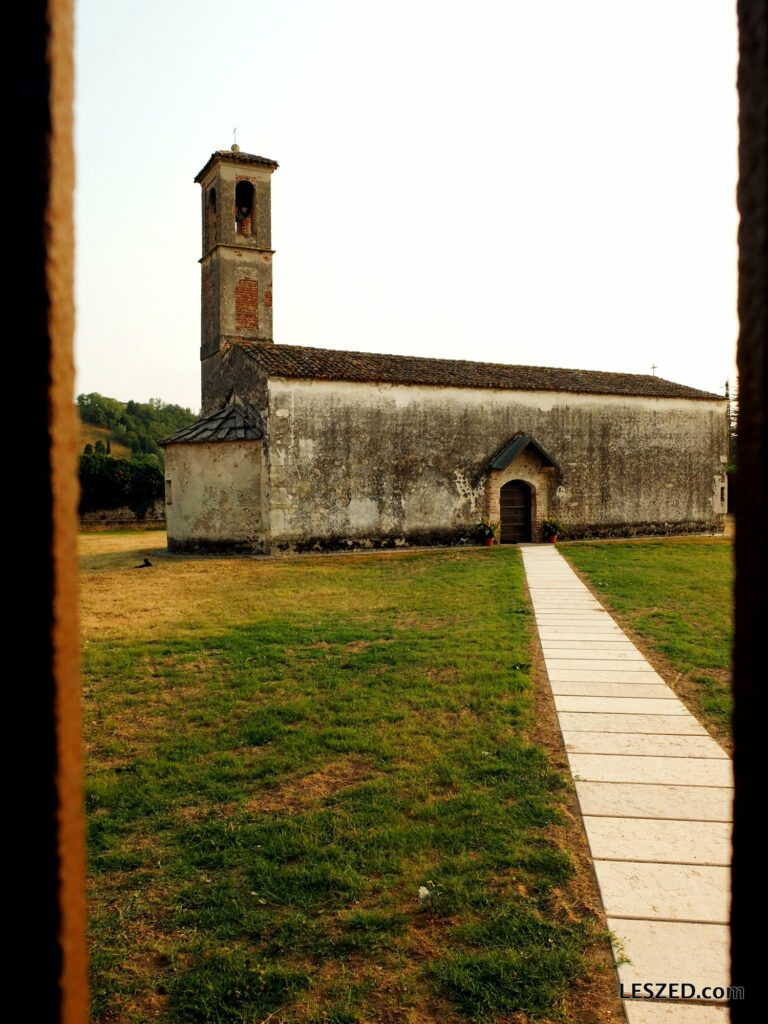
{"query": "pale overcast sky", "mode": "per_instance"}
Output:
(521, 182)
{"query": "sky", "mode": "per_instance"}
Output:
(545, 184)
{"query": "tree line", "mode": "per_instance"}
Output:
(137, 425)
(107, 482)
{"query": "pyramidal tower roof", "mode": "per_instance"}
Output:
(235, 155)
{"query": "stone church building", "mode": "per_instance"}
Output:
(311, 449)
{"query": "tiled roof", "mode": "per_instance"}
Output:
(297, 361)
(236, 421)
(235, 156)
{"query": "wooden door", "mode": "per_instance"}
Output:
(515, 512)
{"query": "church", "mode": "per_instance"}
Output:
(311, 449)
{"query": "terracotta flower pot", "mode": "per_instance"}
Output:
(489, 542)
(552, 538)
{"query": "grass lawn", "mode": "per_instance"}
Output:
(282, 754)
(676, 595)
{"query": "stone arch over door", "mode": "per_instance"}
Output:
(524, 461)
(515, 512)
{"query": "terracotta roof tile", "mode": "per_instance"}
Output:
(298, 361)
(235, 156)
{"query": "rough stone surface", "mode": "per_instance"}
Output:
(672, 770)
(673, 951)
(669, 892)
(588, 689)
(675, 1013)
(683, 725)
(360, 464)
(690, 803)
(583, 742)
(651, 839)
(124, 516)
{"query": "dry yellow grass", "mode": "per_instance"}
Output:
(183, 593)
(90, 434)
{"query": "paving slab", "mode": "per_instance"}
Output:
(596, 616)
(619, 644)
(565, 602)
(687, 725)
(629, 799)
(638, 743)
(667, 892)
(591, 656)
(580, 624)
(567, 688)
(676, 771)
(624, 672)
(608, 664)
(552, 615)
(567, 633)
(622, 705)
(672, 951)
(656, 794)
(560, 629)
(663, 841)
(647, 1012)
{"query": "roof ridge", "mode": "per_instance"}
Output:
(305, 362)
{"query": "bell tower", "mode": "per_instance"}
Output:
(237, 255)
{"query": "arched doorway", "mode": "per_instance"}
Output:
(515, 501)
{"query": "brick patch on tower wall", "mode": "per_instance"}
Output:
(246, 304)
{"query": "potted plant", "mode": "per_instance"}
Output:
(488, 532)
(551, 528)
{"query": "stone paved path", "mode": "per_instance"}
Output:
(655, 792)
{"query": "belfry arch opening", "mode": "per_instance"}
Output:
(516, 502)
(244, 193)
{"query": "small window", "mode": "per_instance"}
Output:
(244, 208)
(168, 492)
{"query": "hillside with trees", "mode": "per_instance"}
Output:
(136, 425)
(135, 428)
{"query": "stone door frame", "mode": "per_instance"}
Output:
(531, 502)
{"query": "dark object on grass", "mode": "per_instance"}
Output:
(146, 564)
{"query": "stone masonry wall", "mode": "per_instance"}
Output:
(371, 463)
(124, 516)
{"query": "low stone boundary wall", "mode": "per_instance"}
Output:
(123, 516)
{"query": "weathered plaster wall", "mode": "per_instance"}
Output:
(214, 496)
(372, 462)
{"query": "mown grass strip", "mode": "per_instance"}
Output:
(284, 757)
